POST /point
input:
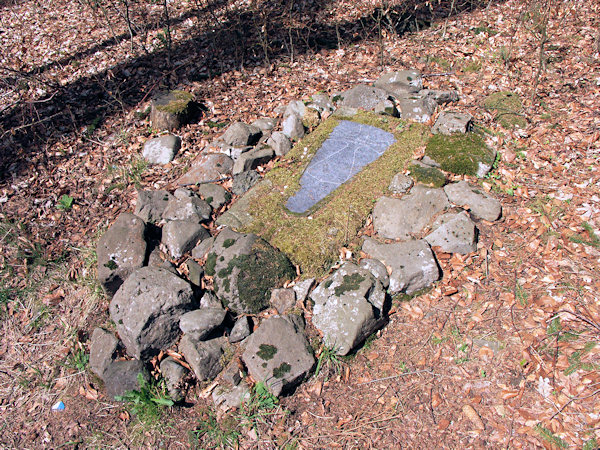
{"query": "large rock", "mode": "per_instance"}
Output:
(478, 202)
(252, 159)
(209, 167)
(161, 150)
(364, 97)
(180, 236)
(441, 97)
(401, 184)
(348, 307)
(204, 357)
(147, 309)
(120, 251)
(453, 233)
(400, 218)
(174, 375)
(240, 331)
(202, 322)
(322, 103)
(450, 122)
(419, 109)
(121, 377)
(293, 127)
(240, 134)
(461, 154)
(280, 143)
(295, 107)
(243, 182)
(102, 349)
(400, 82)
(215, 195)
(227, 397)
(150, 205)
(245, 269)
(278, 354)
(412, 263)
(265, 124)
(192, 209)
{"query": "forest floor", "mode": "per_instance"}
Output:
(502, 353)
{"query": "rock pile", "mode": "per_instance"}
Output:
(173, 284)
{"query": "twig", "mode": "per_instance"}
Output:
(37, 122)
(440, 74)
(398, 376)
(572, 400)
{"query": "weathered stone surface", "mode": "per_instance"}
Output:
(252, 159)
(278, 354)
(232, 374)
(461, 154)
(239, 214)
(387, 107)
(102, 349)
(348, 307)
(202, 248)
(174, 375)
(240, 134)
(161, 150)
(401, 81)
(283, 299)
(120, 251)
(245, 269)
(122, 376)
(204, 357)
(450, 122)
(322, 103)
(213, 194)
(264, 124)
(377, 269)
(210, 300)
(413, 264)
(478, 202)
(225, 397)
(150, 205)
(400, 218)
(195, 272)
(180, 236)
(147, 309)
(295, 107)
(364, 97)
(342, 155)
(453, 233)
(280, 143)
(182, 193)
(208, 167)
(243, 182)
(202, 322)
(441, 97)
(240, 331)
(416, 108)
(172, 109)
(293, 127)
(302, 289)
(192, 209)
(401, 184)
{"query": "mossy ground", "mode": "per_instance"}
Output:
(460, 153)
(429, 176)
(313, 241)
(508, 109)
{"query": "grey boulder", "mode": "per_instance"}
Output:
(400, 218)
(204, 357)
(252, 159)
(412, 263)
(161, 150)
(209, 167)
(478, 202)
(213, 194)
(240, 330)
(293, 127)
(453, 233)
(202, 322)
(450, 122)
(278, 354)
(102, 349)
(401, 184)
(240, 134)
(120, 251)
(280, 143)
(419, 109)
(397, 83)
(180, 236)
(364, 97)
(192, 209)
(147, 309)
(150, 205)
(174, 375)
(121, 377)
(348, 307)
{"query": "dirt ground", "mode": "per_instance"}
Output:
(501, 353)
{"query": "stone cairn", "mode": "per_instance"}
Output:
(155, 264)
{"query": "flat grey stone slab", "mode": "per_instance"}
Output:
(454, 233)
(349, 148)
(478, 202)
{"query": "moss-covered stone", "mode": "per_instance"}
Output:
(349, 283)
(429, 176)
(508, 109)
(313, 240)
(279, 372)
(175, 102)
(228, 243)
(211, 262)
(461, 154)
(266, 351)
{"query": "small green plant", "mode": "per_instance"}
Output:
(79, 359)
(593, 241)
(89, 130)
(575, 360)
(215, 434)
(260, 405)
(550, 437)
(148, 402)
(472, 67)
(463, 354)
(521, 294)
(328, 359)
(65, 202)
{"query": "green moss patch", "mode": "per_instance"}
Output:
(507, 108)
(279, 372)
(175, 102)
(313, 241)
(460, 153)
(211, 262)
(266, 351)
(349, 283)
(429, 176)
(228, 243)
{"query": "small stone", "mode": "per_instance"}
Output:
(240, 331)
(252, 159)
(401, 184)
(195, 272)
(283, 299)
(449, 122)
(440, 97)
(295, 107)
(364, 97)
(240, 134)
(200, 323)
(401, 81)
(322, 103)
(172, 109)
(226, 398)
(204, 357)
(180, 236)
(280, 143)
(426, 175)
(191, 209)
(202, 248)
(302, 288)
(216, 196)
(102, 349)
(209, 167)
(161, 150)
(121, 377)
(479, 203)
(174, 375)
(265, 124)
(150, 205)
(417, 109)
(378, 269)
(232, 373)
(454, 233)
(182, 193)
